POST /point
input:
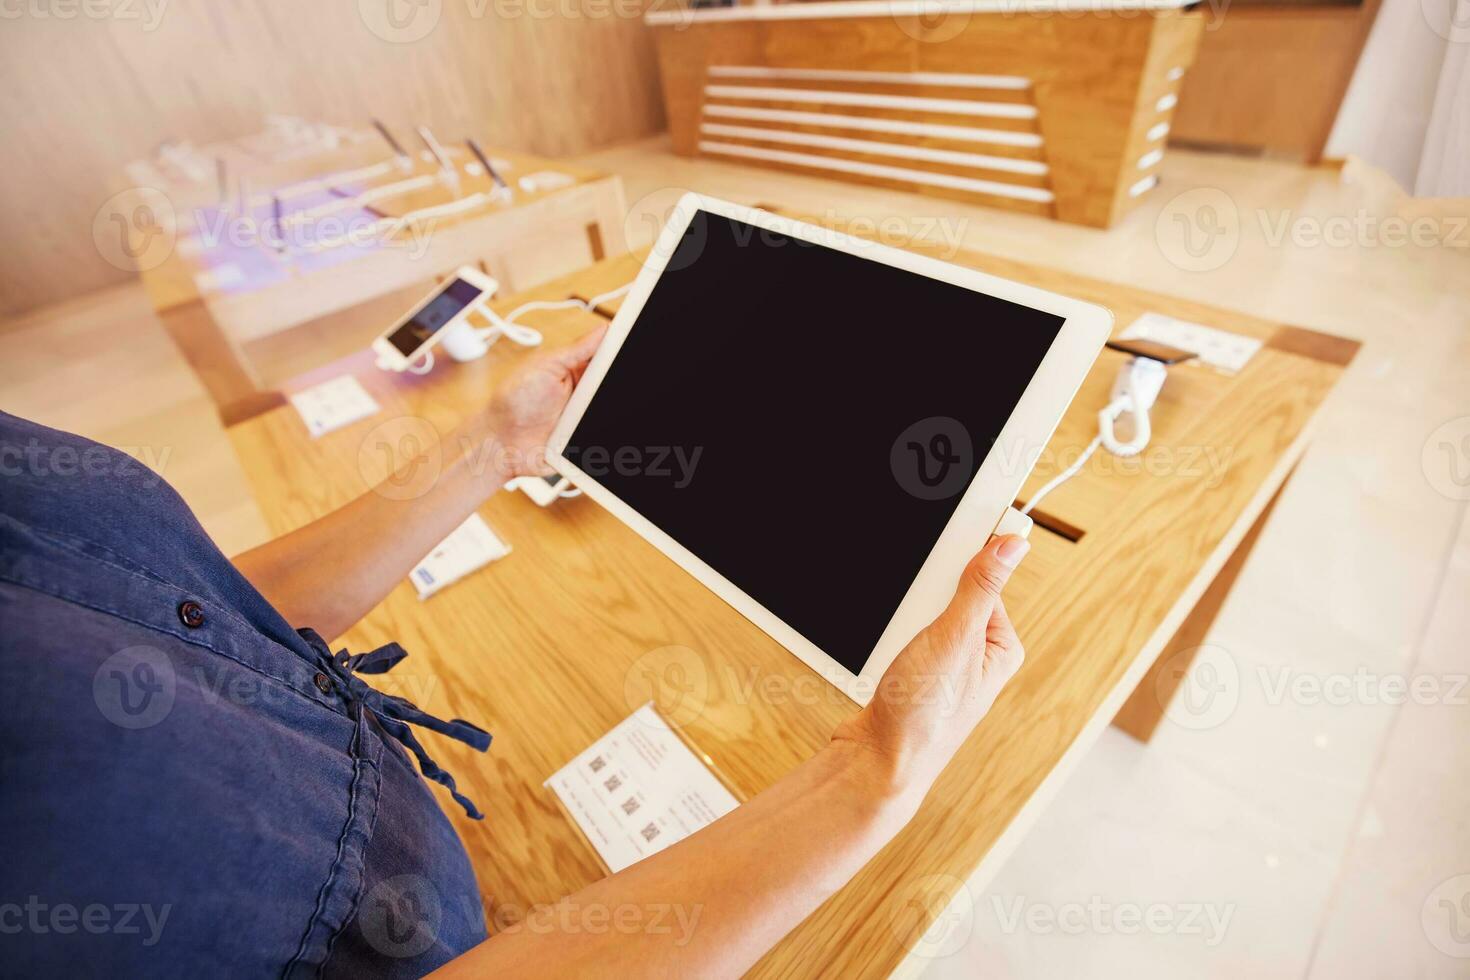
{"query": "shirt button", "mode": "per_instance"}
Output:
(191, 614)
(323, 683)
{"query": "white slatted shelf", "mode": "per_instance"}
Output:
(929, 78)
(863, 168)
(872, 100)
(877, 148)
(876, 124)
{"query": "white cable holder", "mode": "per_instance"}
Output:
(1135, 390)
(1014, 522)
(447, 169)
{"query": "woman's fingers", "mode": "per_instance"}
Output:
(574, 357)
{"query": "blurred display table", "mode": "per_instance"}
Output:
(311, 235)
(550, 647)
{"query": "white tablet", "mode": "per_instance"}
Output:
(821, 429)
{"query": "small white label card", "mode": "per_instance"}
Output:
(222, 276)
(1218, 348)
(545, 180)
(470, 546)
(333, 404)
(639, 789)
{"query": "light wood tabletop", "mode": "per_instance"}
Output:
(553, 645)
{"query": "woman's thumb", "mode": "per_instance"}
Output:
(982, 580)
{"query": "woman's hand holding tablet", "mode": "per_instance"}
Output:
(939, 686)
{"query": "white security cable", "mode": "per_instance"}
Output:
(601, 298)
(339, 204)
(1063, 476)
(530, 336)
(567, 304)
(517, 332)
(388, 227)
(1135, 392)
(288, 191)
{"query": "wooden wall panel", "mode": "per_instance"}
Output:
(85, 95)
(1099, 89)
(1272, 78)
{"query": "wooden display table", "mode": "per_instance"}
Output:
(584, 621)
(356, 224)
(1056, 107)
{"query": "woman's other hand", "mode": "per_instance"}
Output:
(939, 686)
(517, 423)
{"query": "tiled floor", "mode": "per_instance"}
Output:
(1317, 830)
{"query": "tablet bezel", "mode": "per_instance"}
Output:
(998, 479)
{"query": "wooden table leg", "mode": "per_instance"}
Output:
(605, 232)
(496, 265)
(1145, 707)
(594, 241)
(219, 363)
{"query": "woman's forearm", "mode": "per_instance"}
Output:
(330, 573)
(712, 904)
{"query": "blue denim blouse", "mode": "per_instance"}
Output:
(189, 786)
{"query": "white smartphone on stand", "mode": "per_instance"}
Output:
(427, 324)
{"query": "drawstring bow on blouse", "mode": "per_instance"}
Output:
(395, 714)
